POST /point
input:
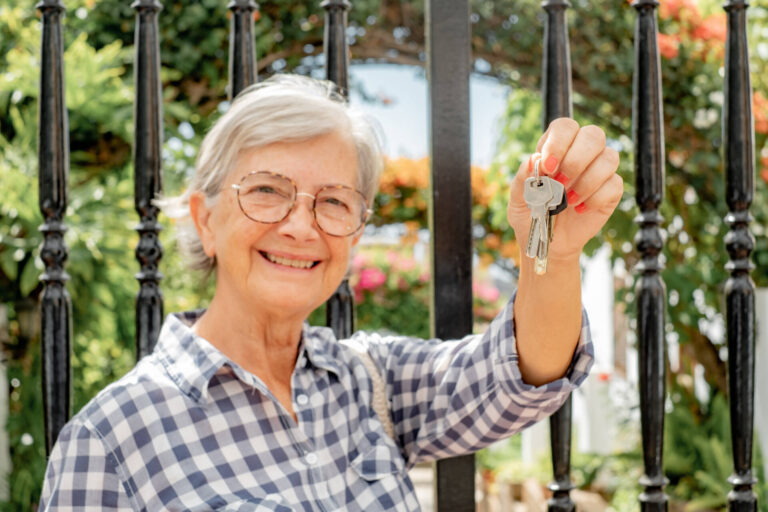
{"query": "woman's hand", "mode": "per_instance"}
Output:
(578, 158)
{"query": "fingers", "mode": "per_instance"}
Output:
(606, 198)
(597, 173)
(587, 145)
(555, 143)
(578, 158)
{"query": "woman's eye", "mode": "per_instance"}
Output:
(264, 190)
(335, 202)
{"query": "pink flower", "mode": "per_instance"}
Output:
(370, 279)
(359, 261)
(406, 264)
(486, 292)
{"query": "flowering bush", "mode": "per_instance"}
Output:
(404, 195)
(392, 292)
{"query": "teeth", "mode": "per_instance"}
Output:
(288, 262)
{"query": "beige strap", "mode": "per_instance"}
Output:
(380, 402)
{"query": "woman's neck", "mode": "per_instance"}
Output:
(262, 342)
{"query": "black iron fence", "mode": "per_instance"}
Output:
(448, 64)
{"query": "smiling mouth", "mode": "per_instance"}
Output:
(287, 262)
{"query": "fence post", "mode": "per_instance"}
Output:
(650, 291)
(53, 164)
(738, 137)
(242, 53)
(448, 67)
(148, 177)
(340, 308)
(556, 92)
(335, 43)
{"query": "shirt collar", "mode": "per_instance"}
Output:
(191, 361)
(318, 343)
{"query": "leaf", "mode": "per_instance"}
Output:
(30, 277)
(8, 264)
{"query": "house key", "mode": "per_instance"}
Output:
(546, 198)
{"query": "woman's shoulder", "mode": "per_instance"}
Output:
(130, 402)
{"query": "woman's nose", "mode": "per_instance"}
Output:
(300, 222)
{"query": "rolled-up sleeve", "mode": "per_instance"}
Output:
(455, 397)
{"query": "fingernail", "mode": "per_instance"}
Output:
(580, 208)
(562, 178)
(551, 163)
(572, 197)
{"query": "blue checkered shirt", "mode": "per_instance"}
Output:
(189, 429)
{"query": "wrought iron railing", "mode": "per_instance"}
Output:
(448, 66)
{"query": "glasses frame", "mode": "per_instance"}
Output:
(366, 212)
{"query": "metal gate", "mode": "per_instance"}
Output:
(448, 63)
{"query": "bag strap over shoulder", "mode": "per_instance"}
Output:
(380, 401)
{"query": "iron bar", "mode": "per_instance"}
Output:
(650, 291)
(53, 164)
(335, 43)
(242, 52)
(556, 92)
(148, 178)
(738, 137)
(448, 68)
(340, 308)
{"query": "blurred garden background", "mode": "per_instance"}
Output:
(390, 274)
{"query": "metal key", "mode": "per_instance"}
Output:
(554, 206)
(538, 195)
(553, 211)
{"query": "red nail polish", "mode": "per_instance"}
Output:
(562, 178)
(580, 208)
(572, 197)
(551, 163)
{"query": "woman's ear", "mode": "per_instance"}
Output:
(201, 216)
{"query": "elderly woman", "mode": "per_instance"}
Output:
(243, 406)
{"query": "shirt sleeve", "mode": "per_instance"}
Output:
(81, 475)
(455, 397)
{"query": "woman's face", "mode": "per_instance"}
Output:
(253, 259)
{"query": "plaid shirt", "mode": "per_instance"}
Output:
(189, 429)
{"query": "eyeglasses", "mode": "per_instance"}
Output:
(269, 197)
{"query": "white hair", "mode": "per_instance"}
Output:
(284, 108)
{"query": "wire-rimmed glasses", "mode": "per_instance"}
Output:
(269, 197)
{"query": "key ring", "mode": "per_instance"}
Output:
(536, 168)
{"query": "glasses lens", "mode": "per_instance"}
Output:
(339, 210)
(266, 197)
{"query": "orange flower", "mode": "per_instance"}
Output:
(669, 46)
(492, 241)
(760, 112)
(712, 28)
(680, 10)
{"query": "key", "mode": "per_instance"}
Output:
(557, 205)
(538, 195)
(553, 207)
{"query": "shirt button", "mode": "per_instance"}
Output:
(302, 400)
(311, 459)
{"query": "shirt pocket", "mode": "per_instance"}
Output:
(376, 456)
